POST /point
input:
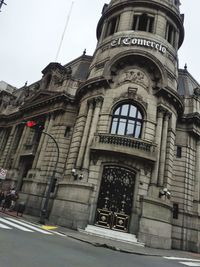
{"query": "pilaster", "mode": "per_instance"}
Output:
(163, 150)
(98, 104)
(85, 134)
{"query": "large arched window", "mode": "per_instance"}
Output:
(127, 120)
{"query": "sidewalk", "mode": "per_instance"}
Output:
(110, 244)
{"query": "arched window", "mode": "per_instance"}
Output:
(127, 120)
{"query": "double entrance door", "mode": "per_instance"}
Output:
(115, 198)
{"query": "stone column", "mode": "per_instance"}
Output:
(98, 103)
(12, 140)
(20, 147)
(85, 134)
(197, 174)
(2, 136)
(125, 20)
(42, 145)
(103, 32)
(154, 178)
(169, 163)
(163, 150)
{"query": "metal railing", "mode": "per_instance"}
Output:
(125, 141)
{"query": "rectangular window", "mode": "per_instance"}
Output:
(112, 26)
(143, 22)
(67, 132)
(178, 151)
(114, 126)
(171, 34)
(121, 127)
(175, 211)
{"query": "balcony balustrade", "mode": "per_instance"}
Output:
(125, 145)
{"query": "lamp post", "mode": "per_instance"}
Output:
(43, 214)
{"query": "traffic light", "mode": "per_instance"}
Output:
(31, 124)
(38, 126)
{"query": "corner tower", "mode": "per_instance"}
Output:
(148, 33)
(124, 137)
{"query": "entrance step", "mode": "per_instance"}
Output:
(110, 234)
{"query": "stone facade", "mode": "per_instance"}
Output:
(127, 125)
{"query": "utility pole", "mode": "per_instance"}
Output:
(44, 210)
(2, 3)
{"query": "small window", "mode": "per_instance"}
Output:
(67, 132)
(143, 23)
(171, 34)
(175, 211)
(179, 152)
(112, 26)
(53, 186)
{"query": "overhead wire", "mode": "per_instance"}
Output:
(64, 31)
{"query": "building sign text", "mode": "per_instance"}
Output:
(134, 41)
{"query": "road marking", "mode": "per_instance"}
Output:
(181, 259)
(57, 233)
(190, 263)
(15, 225)
(4, 226)
(53, 232)
(29, 226)
(49, 227)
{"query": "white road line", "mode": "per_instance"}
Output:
(190, 263)
(15, 225)
(181, 259)
(29, 226)
(51, 231)
(4, 226)
(56, 233)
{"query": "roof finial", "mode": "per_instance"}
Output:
(185, 67)
(84, 51)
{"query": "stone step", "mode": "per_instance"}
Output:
(110, 234)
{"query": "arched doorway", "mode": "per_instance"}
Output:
(115, 198)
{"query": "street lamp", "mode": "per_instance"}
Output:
(165, 192)
(43, 214)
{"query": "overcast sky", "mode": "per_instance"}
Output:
(31, 32)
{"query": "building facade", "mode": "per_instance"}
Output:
(127, 124)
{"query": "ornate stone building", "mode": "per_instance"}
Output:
(127, 124)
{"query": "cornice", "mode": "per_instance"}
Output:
(25, 111)
(173, 97)
(90, 85)
(57, 97)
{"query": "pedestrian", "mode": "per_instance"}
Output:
(7, 201)
(14, 198)
(2, 197)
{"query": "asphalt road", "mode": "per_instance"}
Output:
(34, 249)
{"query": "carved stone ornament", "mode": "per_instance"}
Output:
(58, 77)
(197, 91)
(131, 94)
(133, 76)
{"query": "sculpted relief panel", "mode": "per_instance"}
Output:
(133, 75)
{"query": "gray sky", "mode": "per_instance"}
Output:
(31, 31)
